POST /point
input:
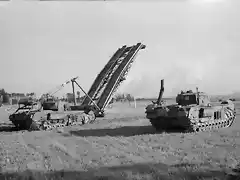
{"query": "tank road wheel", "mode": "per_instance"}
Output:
(68, 120)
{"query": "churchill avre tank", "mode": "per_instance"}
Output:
(30, 116)
(192, 112)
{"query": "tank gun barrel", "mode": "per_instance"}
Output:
(197, 95)
(161, 92)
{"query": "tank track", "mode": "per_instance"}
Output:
(208, 126)
(198, 127)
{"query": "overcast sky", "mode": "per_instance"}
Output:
(189, 44)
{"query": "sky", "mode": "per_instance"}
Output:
(188, 43)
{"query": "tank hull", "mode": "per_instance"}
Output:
(191, 118)
(53, 106)
(48, 120)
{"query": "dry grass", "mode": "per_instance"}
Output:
(121, 146)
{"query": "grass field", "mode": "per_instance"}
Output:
(123, 145)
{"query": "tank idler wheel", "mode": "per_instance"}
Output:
(194, 129)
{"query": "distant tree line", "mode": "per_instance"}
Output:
(30, 94)
(232, 99)
(123, 97)
(5, 96)
(70, 98)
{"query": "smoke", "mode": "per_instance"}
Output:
(181, 74)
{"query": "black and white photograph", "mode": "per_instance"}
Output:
(120, 90)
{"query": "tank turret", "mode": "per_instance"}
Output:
(193, 98)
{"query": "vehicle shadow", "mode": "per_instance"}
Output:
(234, 174)
(125, 172)
(121, 131)
(7, 127)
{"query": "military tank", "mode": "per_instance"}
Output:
(50, 103)
(30, 116)
(192, 112)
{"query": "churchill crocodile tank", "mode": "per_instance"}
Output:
(192, 112)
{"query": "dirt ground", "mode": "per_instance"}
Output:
(123, 145)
